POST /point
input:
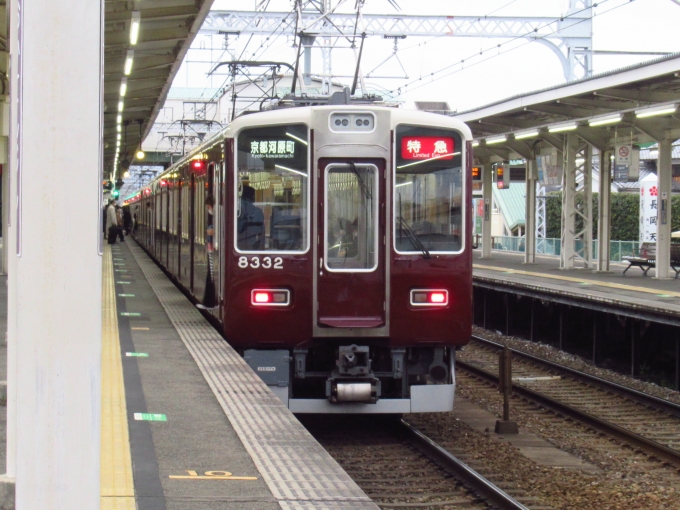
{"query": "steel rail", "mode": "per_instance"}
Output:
(636, 440)
(469, 476)
(646, 398)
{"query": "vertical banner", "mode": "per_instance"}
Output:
(479, 214)
(549, 166)
(626, 163)
(649, 192)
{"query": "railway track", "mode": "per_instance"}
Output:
(643, 421)
(399, 467)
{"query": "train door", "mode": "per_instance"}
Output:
(351, 277)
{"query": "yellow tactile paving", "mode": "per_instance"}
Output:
(619, 286)
(117, 488)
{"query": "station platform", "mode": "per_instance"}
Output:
(632, 294)
(186, 424)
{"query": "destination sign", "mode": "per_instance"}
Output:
(278, 149)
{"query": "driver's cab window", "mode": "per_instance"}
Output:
(272, 189)
(428, 191)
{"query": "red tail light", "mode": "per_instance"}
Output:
(270, 297)
(429, 297)
(437, 297)
(262, 297)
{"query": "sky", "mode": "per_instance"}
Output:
(517, 67)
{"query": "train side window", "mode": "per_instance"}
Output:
(428, 190)
(272, 189)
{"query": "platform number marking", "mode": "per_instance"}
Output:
(150, 417)
(256, 263)
(211, 475)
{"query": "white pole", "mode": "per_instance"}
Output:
(663, 224)
(487, 197)
(58, 262)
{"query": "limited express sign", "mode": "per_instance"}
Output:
(426, 147)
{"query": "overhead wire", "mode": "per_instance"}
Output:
(511, 40)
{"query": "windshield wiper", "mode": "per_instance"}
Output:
(362, 184)
(413, 237)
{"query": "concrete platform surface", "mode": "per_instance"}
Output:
(630, 291)
(205, 433)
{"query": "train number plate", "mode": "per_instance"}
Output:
(257, 262)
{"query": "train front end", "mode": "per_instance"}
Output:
(348, 282)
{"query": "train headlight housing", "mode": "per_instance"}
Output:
(270, 297)
(429, 297)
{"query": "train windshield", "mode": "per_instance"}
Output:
(428, 191)
(272, 189)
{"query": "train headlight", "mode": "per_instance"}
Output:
(429, 297)
(270, 297)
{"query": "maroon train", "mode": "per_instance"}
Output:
(333, 246)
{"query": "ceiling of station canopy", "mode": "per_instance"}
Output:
(639, 102)
(138, 74)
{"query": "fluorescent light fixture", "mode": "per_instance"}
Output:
(119, 128)
(296, 138)
(570, 126)
(526, 134)
(291, 170)
(666, 109)
(496, 139)
(120, 106)
(403, 184)
(601, 121)
(128, 62)
(123, 87)
(119, 119)
(475, 143)
(134, 27)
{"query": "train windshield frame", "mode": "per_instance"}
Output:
(272, 188)
(428, 191)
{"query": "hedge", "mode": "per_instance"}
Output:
(625, 215)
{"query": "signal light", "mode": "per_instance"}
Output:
(476, 173)
(270, 297)
(115, 193)
(429, 297)
(502, 177)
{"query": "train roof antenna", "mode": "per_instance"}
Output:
(356, 72)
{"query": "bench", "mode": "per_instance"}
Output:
(647, 258)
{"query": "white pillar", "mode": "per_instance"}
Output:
(4, 161)
(530, 214)
(569, 202)
(663, 223)
(603, 213)
(58, 263)
(486, 220)
(587, 211)
(10, 241)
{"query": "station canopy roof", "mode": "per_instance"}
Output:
(166, 29)
(637, 104)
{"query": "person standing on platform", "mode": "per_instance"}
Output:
(119, 220)
(111, 222)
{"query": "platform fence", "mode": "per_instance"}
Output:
(553, 246)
